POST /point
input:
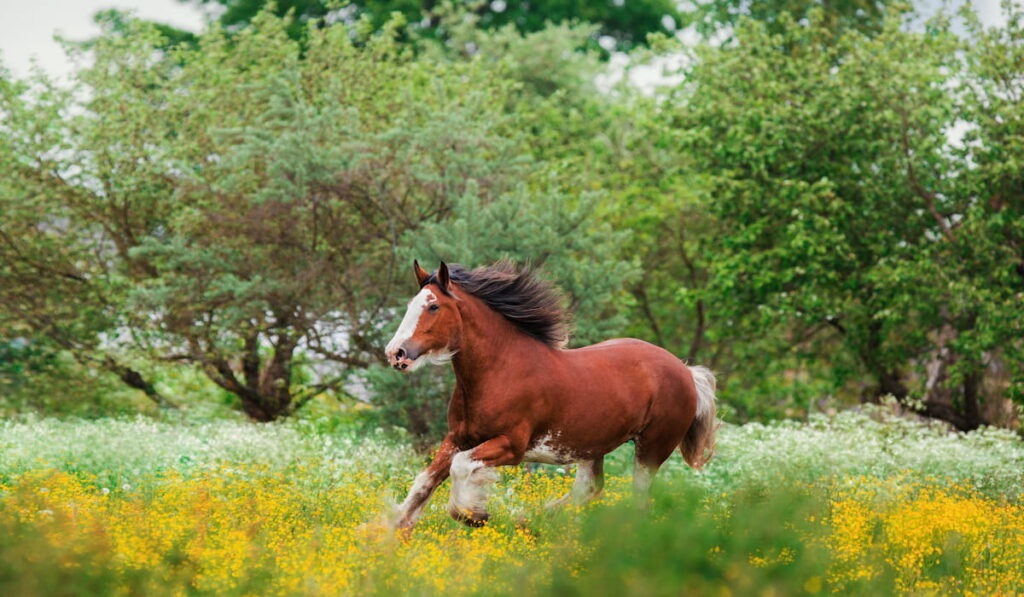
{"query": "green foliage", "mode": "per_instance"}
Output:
(242, 204)
(864, 16)
(18, 359)
(826, 209)
(989, 256)
(38, 377)
(416, 402)
(628, 23)
(676, 545)
(851, 243)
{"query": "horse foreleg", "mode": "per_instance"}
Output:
(473, 474)
(587, 486)
(426, 482)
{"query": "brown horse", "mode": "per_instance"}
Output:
(520, 396)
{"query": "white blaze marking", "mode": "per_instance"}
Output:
(411, 321)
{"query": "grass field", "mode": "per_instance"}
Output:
(854, 503)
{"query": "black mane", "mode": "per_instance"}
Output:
(529, 303)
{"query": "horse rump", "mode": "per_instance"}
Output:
(698, 444)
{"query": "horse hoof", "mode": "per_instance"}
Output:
(469, 518)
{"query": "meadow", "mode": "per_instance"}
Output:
(857, 502)
(206, 241)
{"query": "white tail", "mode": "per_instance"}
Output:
(699, 443)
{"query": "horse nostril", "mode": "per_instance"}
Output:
(403, 366)
(400, 354)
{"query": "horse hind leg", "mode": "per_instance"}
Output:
(696, 443)
(650, 453)
(587, 486)
(643, 475)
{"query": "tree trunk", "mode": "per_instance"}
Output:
(266, 400)
(939, 398)
(972, 412)
(890, 381)
(889, 378)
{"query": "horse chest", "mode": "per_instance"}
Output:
(475, 417)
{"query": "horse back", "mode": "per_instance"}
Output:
(621, 386)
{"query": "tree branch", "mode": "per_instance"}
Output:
(915, 184)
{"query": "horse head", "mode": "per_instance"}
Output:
(431, 328)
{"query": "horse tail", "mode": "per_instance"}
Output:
(699, 443)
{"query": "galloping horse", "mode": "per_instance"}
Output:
(520, 396)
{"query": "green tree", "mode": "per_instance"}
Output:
(864, 16)
(628, 23)
(54, 283)
(242, 204)
(235, 206)
(984, 267)
(842, 207)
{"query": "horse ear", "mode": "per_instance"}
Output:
(443, 277)
(421, 274)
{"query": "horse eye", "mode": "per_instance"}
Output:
(433, 308)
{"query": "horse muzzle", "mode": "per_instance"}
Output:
(402, 358)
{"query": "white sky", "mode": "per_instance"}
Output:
(27, 28)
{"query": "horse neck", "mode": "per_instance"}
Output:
(489, 343)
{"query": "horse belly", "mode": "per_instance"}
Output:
(548, 450)
(578, 436)
(598, 407)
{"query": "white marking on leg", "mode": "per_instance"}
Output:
(642, 477)
(471, 484)
(585, 486)
(421, 490)
(411, 321)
